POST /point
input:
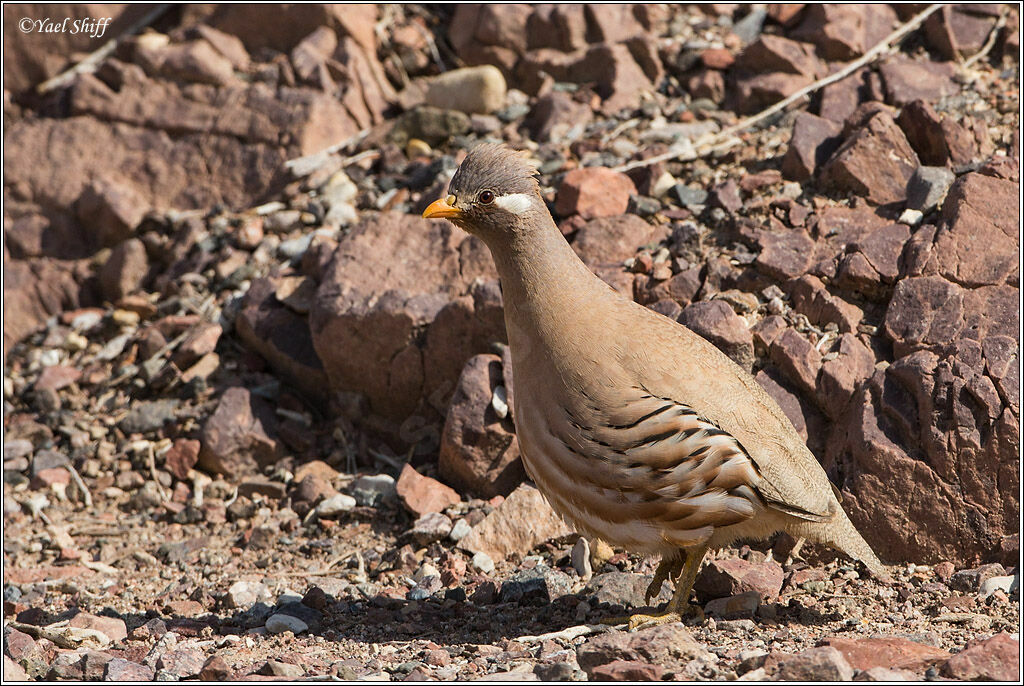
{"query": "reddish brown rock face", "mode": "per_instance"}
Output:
(479, 451)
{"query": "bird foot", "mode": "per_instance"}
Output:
(641, 621)
(645, 621)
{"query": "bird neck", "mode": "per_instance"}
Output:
(546, 288)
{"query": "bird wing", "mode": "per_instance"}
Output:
(682, 469)
(666, 464)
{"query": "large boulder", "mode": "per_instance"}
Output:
(403, 303)
(928, 453)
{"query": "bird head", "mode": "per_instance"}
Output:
(494, 192)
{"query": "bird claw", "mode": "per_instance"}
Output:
(637, 622)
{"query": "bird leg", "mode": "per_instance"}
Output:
(794, 554)
(686, 568)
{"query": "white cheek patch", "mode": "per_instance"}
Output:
(516, 203)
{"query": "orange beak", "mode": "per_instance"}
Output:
(442, 209)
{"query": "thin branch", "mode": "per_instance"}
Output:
(80, 484)
(93, 59)
(721, 140)
(989, 42)
(305, 165)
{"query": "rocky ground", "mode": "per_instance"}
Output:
(257, 411)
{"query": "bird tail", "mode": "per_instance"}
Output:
(843, 536)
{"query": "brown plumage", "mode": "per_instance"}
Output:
(636, 429)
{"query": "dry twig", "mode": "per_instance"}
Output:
(691, 150)
(93, 59)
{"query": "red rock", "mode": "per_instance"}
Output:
(312, 52)
(844, 32)
(797, 359)
(681, 288)
(627, 670)
(562, 27)
(733, 576)
(758, 91)
(765, 331)
(817, 664)
(184, 608)
(907, 80)
(227, 45)
(716, 321)
(312, 489)
(422, 494)
(31, 575)
(785, 13)
(669, 646)
(373, 344)
(119, 669)
(182, 457)
(112, 209)
(810, 298)
(727, 196)
(613, 23)
(491, 25)
(479, 451)
(125, 269)
(516, 526)
(57, 377)
(554, 115)
(183, 662)
(706, 83)
(887, 651)
(113, 627)
(770, 53)
(200, 341)
(281, 336)
(977, 242)
(940, 140)
(841, 376)
(717, 58)
(784, 254)
(957, 32)
(924, 311)
(613, 240)
(944, 570)
(814, 139)
(762, 179)
(875, 162)
(45, 478)
(620, 78)
(594, 192)
(237, 438)
(991, 659)
(901, 429)
(215, 669)
(192, 61)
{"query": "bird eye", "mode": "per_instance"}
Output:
(486, 197)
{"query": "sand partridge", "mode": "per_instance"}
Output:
(637, 430)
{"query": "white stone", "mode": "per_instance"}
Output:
(499, 401)
(580, 557)
(279, 623)
(243, 594)
(473, 90)
(459, 530)
(482, 562)
(911, 217)
(993, 584)
(335, 505)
